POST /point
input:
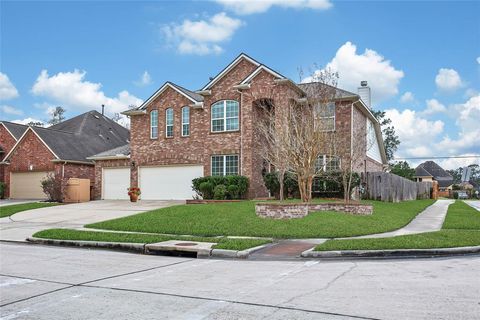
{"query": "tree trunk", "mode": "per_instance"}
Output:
(281, 177)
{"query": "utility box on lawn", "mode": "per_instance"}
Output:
(77, 190)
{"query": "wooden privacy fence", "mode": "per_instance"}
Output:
(389, 187)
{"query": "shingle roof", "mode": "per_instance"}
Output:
(310, 87)
(191, 94)
(16, 129)
(122, 150)
(421, 172)
(82, 136)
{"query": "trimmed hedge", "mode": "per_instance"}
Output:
(221, 187)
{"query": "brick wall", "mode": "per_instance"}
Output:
(99, 165)
(6, 144)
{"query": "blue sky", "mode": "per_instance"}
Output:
(422, 59)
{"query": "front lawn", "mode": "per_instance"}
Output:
(239, 219)
(6, 211)
(460, 229)
(69, 234)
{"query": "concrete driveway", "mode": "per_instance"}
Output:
(23, 224)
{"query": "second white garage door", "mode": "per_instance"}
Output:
(115, 183)
(168, 182)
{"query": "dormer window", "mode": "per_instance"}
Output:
(225, 116)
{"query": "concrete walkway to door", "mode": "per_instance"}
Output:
(23, 224)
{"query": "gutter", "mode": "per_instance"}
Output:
(118, 157)
(133, 112)
(72, 161)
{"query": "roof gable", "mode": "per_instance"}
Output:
(190, 95)
(434, 170)
(16, 130)
(259, 69)
(229, 67)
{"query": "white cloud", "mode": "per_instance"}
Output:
(7, 89)
(259, 6)
(144, 80)
(27, 121)
(448, 80)
(478, 60)
(72, 91)
(454, 163)
(11, 110)
(203, 36)
(434, 106)
(382, 77)
(407, 97)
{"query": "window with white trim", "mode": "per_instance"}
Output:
(185, 121)
(325, 116)
(169, 122)
(225, 116)
(327, 163)
(154, 124)
(224, 165)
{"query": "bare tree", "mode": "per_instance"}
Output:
(296, 132)
(57, 116)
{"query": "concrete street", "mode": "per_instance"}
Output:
(39, 282)
(23, 224)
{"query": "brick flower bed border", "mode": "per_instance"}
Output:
(300, 210)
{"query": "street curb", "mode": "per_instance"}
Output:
(391, 253)
(123, 246)
(235, 254)
(141, 248)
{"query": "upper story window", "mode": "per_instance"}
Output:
(185, 121)
(327, 163)
(154, 124)
(169, 122)
(225, 116)
(325, 116)
(224, 165)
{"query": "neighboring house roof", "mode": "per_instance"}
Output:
(80, 137)
(432, 169)
(260, 68)
(15, 129)
(115, 153)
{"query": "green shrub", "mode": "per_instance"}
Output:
(455, 195)
(2, 189)
(290, 185)
(233, 187)
(52, 187)
(220, 192)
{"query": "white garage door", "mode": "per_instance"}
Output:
(27, 185)
(115, 183)
(168, 182)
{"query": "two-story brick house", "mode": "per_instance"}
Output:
(178, 134)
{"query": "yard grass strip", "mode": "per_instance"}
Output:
(460, 229)
(7, 211)
(70, 234)
(461, 216)
(239, 219)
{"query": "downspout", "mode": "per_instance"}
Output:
(241, 131)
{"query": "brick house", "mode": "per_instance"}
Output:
(178, 134)
(9, 134)
(61, 150)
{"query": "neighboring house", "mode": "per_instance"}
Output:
(61, 150)
(431, 171)
(178, 134)
(9, 134)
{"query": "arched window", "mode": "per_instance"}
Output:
(225, 116)
(185, 121)
(154, 124)
(169, 122)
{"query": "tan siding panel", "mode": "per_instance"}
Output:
(27, 185)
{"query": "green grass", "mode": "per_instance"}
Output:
(460, 229)
(14, 208)
(69, 234)
(239, 219)
(462, 216)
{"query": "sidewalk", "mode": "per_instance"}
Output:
(429, 220)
